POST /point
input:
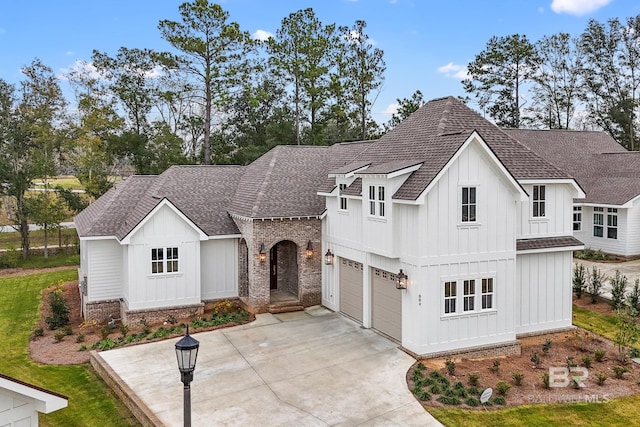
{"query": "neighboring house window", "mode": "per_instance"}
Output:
(468, 204)
(612, 223)
(376, 200)
(450, 297)
(343, 200)
(538, 201)
(161, 264)
(577, 218)
(469, 295)
(487, 293)
(598, 221)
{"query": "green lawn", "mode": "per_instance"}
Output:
(36, 238)
(617, 412)
(91, 401)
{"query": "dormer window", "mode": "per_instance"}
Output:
(376, 200)
(343, 199)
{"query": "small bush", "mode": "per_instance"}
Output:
(579, 280)
(473, 379)
(59, 335)
(67, 330)
(633, 298)
(599, 355)
(545, 380)
(59, 309)
(423, 395)
(596, 281)
(502, 387)
(547, 346)
(172, 319)
(435, 389)
(420, 366)
(517, 378)
(474, 391)
(619, 371)
(500, 400)
(105, 331)
(449, 400)
(39, 332)
(451, 366)
(416, 376)
(83, 347)
(570, 362)
(586, 361)
(472, 401)
(618, 288)
(496, 366)
(80, 337)
(536, 359)
(634, 353)
(124, 329)
(601, 377)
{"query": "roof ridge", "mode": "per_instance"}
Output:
(444, 117)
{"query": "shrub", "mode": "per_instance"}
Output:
(633, 298)
(435, 389)
(59, 309)
(619, 371)
(473, 379)
(59, 335)
(547, 346)
(502, 387)
(570, 362)
(496, 366)
(420, 366)
(634, 353)
(517, 378)
(545, 380)
(599, 355)
(83, 347)
(500, 400)
(38, 332)
(579, 280)
(124, 329)
(80, 337)
(449, 400)
(600, 378)
(67, 330)
(451, 366)
(416, 376)
(618, 288)
(596, 281)
(536, 359)
(105, 331)
(472, 401)
(586, 361)
(423, 395)
(172, 319)
(627, 331)
(474, 391)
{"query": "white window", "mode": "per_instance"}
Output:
(612, 223)
(450, 293)
(598, 221)
(164, 264)
(577, 218)
(468, 204)
(343, 200)
(469, 295)
(538, 201)
(376, 200)
(487, 293)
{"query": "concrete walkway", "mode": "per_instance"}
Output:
(312, 368)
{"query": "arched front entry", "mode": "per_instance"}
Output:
(283, 264)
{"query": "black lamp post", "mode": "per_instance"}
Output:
(187, 353)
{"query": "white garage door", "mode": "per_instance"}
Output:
(351, 288)
(386, 308)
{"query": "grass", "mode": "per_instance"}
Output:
(65, 181)
(617, 412)
(91, 401)
(36, 238)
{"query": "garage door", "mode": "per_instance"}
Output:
(386, 308)
(351, 288)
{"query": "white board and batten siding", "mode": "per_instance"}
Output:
(628, 241)
(165, 229)
(104, 271)
(543, 293)
(558, 212)
(219, 262)
(632, 226)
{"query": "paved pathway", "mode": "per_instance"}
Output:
(312, 368)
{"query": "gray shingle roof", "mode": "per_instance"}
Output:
(547, 243)
(607, 172)
(434, 133)
(202, 193)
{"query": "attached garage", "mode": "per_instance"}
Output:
(386, 304)
(351, 288)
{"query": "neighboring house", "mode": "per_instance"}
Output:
(609, 217)
(480, 225)
(20, 402)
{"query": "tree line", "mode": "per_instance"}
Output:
(562, 82)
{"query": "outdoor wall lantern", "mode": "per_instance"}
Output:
(401, 280)
(328, 257)
(187, 353)
(309, 250)
(262, 255)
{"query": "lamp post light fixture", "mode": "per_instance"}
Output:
(187, 353)
(262, 255)
(309, 250)
(328, 257)
(401, 280)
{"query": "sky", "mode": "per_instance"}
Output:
(427, 43)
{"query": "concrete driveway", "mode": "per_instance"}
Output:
(312, 368)
(631, 269)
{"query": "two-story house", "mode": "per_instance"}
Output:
(472, 226)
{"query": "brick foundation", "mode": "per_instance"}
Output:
(100, 310)
(510, 348)
(159, 315)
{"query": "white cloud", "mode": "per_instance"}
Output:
(391, 109)
(262, 35)
(454, 71)
(577, 7)
(80, 67)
